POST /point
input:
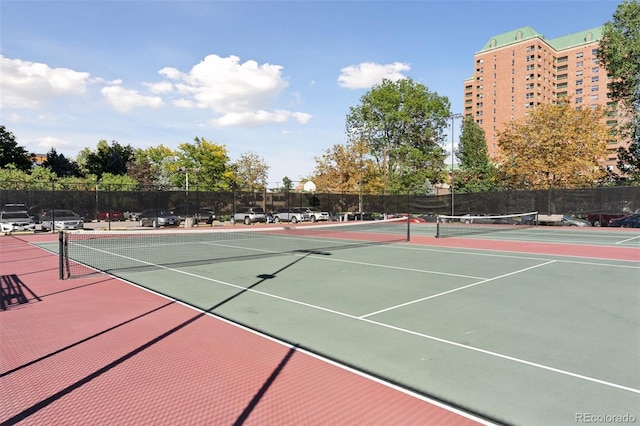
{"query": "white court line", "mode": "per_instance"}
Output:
(455, 289)
(627, 240)
(524, 255)
(402, 330)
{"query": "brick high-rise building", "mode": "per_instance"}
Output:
(520, 69)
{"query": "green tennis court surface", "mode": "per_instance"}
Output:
(520, 338)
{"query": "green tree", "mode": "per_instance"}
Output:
(287, 184)
(151, 167)
(251, 172)
(12, 153)
(476, 173)
(61, 165)
(207, 164)
(108, 158)
(555, 146)
(403, 125)
(619, 53)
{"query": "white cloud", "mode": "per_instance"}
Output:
(123, 100)
(259, 117)
(45, 144)
(368, 74)
(27, 84)
(239, 93)
(161, 88)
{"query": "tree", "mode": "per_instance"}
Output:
(107, 159)
(12, 153)
(61, 165)
(403, 126)
(250, 172)
(206, 161)
(476, 173)
(555, 146)
(619, 53)
(347, 169)
(151, 166)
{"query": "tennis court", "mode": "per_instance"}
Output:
(538, 325)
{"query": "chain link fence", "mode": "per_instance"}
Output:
(88, 203)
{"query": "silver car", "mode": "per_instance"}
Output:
(59, 220)
(158, 217)
(16, 221)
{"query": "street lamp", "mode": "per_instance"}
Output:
(451, 186)
(186, 172)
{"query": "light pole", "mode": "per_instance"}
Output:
(451, 187)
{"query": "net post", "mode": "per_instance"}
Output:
(408, 228)
(437, 226)
(60, 255)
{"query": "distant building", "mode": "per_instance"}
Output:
(520, 69)
(38, 159)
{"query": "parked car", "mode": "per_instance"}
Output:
(603, 219)
(571, 220)
(314, 215)
(630, 221)
(133, 216)
(16, 221)
(158, 217)
(200, 214)
(249, 215)
(60, 219)
(289, 215)
(111, 215)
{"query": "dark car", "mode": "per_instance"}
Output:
(603, 219)
(199, 214)
(158, 217)
(630, 221)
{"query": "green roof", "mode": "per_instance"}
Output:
(527, 33)
(576, 39)
(515, 36)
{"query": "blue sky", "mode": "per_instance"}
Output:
(276, 78)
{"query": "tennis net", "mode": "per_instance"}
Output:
(468, 224)
(87, 252)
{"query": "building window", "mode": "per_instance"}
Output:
(595, 79)
(595, 61)
(594, 88)
(594, 97)
(579, 55)
(579, 100)
(578, 91)
(579, 82)
(594, 52)
(579, 73)
(579, 64)
(595, 69)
